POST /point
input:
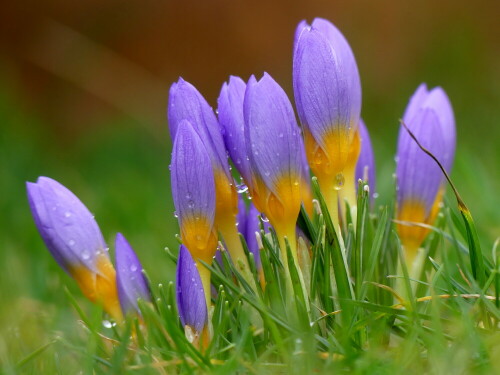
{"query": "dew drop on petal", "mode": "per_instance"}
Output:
(71, 243)
(85, 254)
(133, 268)
(339, 181)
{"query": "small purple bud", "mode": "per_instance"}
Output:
(130, 280)
(191, 302)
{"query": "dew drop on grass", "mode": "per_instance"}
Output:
(108, 324)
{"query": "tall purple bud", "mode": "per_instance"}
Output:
(74, 239)
(193, 190)
(328, 97)
(273, 145)
(420, 182)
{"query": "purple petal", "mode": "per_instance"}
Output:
(418, 176)
(241, 217)
(192, 177)
(130, 281)
(230, 110)
(326, 81)
(366, 159)
(67, 227)
(190, 295)
(416, 102)
(298, 32)
(253, 226)
(186, 103)
(271, 132)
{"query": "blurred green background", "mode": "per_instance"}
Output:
(83, 93)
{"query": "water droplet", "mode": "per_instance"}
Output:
(242, 188)
(108, 324)
(133, 268)
(85, 255)
(67, 214)
(188, 196)
(267, 173)
(375, 195)
(264, 218)
(396, 158)
(280, 135)
(339, 181)
(191, 203)
(71, 243)
(175, 214)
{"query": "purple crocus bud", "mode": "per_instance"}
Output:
(130, 280)
(328, 97)
(74, 239)
(190, 294)
(193, 191)
(230, 110)
(365, 167)
(186, 103)
(273, 143)
(420, 182)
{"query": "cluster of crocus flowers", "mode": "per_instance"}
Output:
(420, 182)
(74, 239)
(255, 129)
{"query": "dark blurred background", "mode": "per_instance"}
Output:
(83, 93)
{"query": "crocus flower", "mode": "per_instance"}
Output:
(328, 97)
(420, 182)
(190, 295)
(273, 144)
(130, 280)
(74, 239)
(193, 191)
(365, 167)
(186, 103)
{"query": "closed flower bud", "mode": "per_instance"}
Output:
(193, 191)
(420, 182)
(274, 147)
(74, 239)
(131, 283)
(186, 103)
(328, 96)
(190, 294)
